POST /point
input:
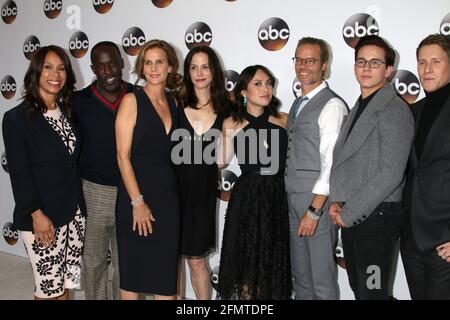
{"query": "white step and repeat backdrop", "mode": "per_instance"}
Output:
(243, 32)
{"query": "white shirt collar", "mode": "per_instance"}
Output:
(316, 90)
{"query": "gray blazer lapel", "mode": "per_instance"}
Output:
(344, 132)
(364, 125)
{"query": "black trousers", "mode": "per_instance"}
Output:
(369, 251)
(428, 275)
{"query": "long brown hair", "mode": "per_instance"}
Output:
(173, 78)
(31, 93)
(239, 107)
(219, 98)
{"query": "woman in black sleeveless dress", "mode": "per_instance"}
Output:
(202, 105)
(255, 262)
(148, 213)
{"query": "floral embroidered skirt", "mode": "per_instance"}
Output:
(57, 267)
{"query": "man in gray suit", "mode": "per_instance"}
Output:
(313, 127)
(367, 175)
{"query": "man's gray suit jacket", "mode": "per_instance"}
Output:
(369, 165)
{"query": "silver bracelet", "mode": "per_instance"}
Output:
(312, 215)
(137, 201)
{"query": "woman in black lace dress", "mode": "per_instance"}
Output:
(254, 261)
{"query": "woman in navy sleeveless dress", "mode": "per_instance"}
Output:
(203, 103)
(148, 213)
(255, 261)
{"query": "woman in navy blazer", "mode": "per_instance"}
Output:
(42, 147)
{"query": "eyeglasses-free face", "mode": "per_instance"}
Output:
(433, 67)
(373, 63)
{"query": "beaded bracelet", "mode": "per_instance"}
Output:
(137, 201)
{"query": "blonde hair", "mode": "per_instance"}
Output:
(173, 78)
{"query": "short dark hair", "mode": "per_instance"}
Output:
(218, 93)
(438, 39)
(104, 44)
(325, 51)
(245, 77)
(31, 93)
(374, 40)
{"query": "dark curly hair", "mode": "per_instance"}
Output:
(238, 109)
(31, 93)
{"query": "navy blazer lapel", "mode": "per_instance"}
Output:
(365, 124)
(78, 141)
(439, 125)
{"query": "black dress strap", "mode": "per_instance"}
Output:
(259, 121)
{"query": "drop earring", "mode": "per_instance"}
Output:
(245, 101)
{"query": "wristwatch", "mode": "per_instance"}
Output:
(314, 213)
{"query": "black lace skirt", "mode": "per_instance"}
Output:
(255, 261)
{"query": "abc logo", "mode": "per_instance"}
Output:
(9, 12)
(198, 34)
(445, 25)
(226, 184)
(102, 6)
(78, 44)
(8, 88)
(296, 88)
(406, 84)
(132, 40)
(231, 77)
(273, 34)
(52, 8)
(214, 277)
(5, 162)
(358, 26)
(10, 234)
(30, 46)
(339, 254)
(162, 3)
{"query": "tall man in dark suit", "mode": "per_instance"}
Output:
(95, 107)
(366, 181)
(425, 241)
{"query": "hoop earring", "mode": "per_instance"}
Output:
(245, 101)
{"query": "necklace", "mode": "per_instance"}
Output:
(207, 102)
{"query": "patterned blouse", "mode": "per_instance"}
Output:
(59, 123)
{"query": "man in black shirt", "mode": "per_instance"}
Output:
(95, 108)
(425, 244)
